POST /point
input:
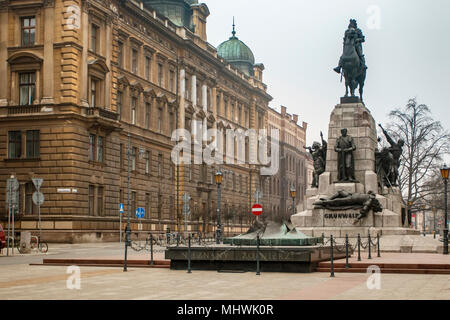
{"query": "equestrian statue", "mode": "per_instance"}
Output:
(352, 64)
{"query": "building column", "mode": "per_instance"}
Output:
(48, 74)
(182, 93)
(3, 57)
(108, 55)
(205, 109)
(194, 104)
(84, 101)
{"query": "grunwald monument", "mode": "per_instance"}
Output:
(354, 188)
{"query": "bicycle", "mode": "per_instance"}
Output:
(35, 245)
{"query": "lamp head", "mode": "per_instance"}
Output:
(444, 172)
(219, 177)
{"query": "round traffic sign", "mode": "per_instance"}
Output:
(257, 209)
(38, 198)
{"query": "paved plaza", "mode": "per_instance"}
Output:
(20, 280)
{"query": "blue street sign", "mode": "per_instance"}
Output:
(122, 209)
(140, 213)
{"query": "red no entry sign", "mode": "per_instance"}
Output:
(257, 209)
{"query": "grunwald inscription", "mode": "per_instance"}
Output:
(341, 215)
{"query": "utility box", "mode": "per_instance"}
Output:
(25, 242)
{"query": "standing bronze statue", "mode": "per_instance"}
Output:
(388, 161)
(319, 155)
(346, 161)
(352, 64)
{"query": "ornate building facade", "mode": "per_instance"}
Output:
(90, 93)
(292, 171)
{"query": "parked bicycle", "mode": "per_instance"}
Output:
(35, 245)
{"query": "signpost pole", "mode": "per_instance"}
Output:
(9, 216)
(9, 220)
(40, 226)
(38, 199)
(13, 240)
(120, 223)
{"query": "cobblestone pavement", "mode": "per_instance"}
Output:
(19, 280)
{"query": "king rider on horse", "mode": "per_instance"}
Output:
(354, 31)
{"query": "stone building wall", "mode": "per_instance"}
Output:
(195, 85)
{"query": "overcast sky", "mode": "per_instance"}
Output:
(407, 51)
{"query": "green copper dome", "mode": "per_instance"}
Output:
(236, 52)
(177, 11)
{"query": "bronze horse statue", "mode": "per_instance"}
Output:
(353, 68)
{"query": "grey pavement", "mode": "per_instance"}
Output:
(19, 280)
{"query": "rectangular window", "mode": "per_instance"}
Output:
(133, 158)
(91, 200)
(120, 55)
(119, 104)
(147, 68)
(14, 144)
(172, 81)
(91, 147)
(147, 115)
(133, 110)
(239, 115)
(94, 38)
(198, 94)
(100, 149)
(134, 60)
(159, 205)
(32, 145)
(160, 75)
(121, 156)
(147, 162)
(170, 123)
(100, 201)
(133, 202)
(147, 205)
(30, 207)
(94, 84)
(187, 88)
(27, 88)
(159, 120)
(160, 165)
(226, 110)
(28, 31)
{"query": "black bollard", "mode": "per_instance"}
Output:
(370, 243)
(151, 249)
(257, 256)
(189, 254)
(378, 245)
(359, 247)
(323, 238)
(346, 252)
(331, 255)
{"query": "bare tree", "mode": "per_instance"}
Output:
(426, 143)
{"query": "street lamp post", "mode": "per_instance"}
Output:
(444, 173)
(293, 195)
(128, 227)
(219, 177)
(434, 222)
(424, 221)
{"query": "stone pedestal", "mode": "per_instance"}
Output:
(357, 119)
